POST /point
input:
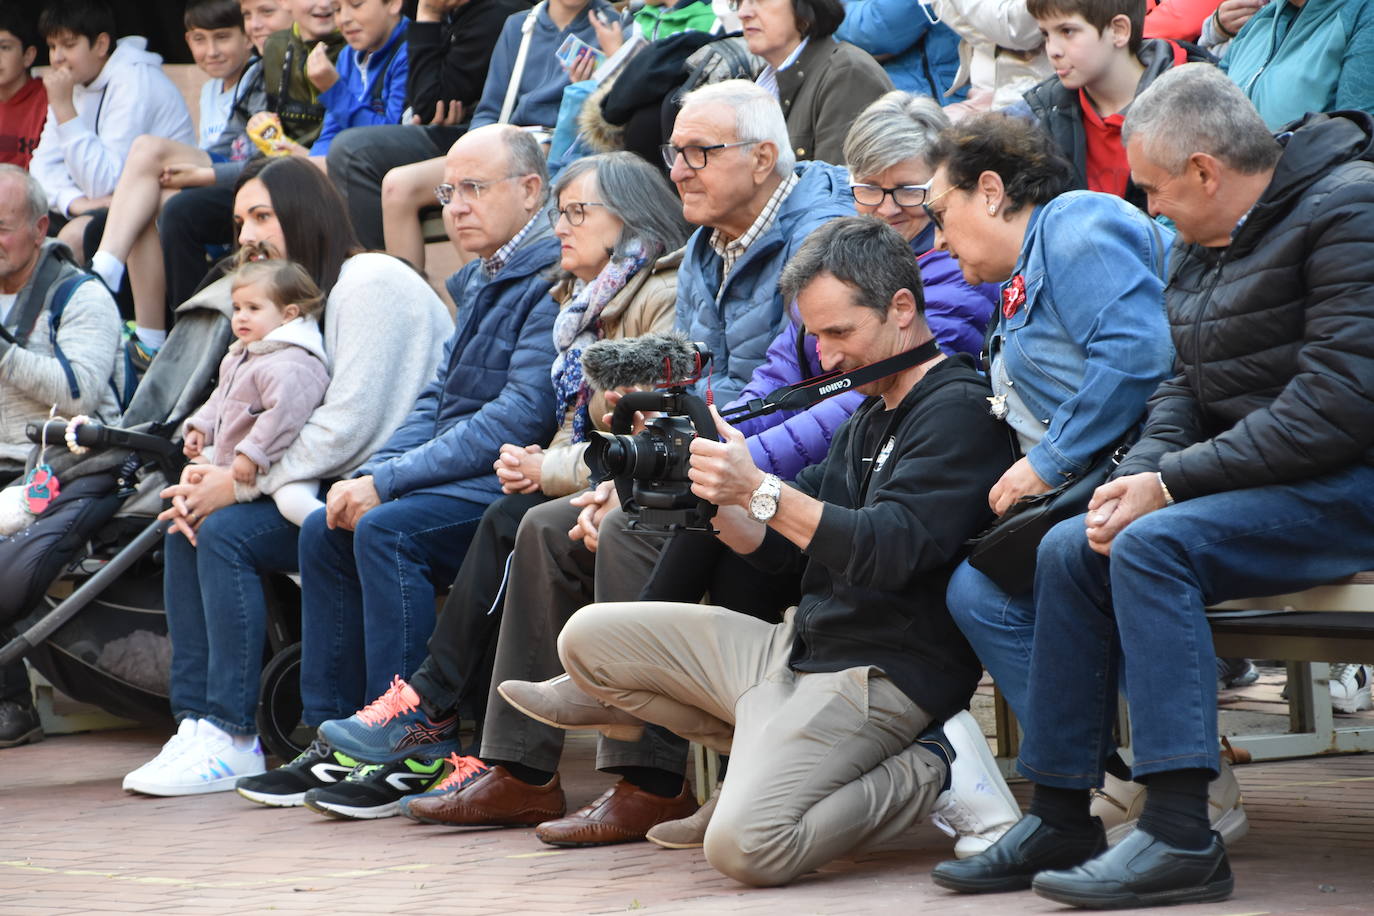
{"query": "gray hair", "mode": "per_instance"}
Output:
(526, 157)
(34, 195)
(897, 127)
(862, 252)
(1196, 108)
(758, 116)
(637, 195)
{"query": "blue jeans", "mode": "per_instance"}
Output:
(367, 596)
(217, 613)
(1143, 610)
(999, 626)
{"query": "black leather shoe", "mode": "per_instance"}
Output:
(1142, 871)
(1029, 847)
(19, 724)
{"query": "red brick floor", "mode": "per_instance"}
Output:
(72, 842)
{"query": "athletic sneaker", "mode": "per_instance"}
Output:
(392, 727)
(1235, 672)
(374, 789)
(1350, 687)
(209, 762)
(465, 770)
(977, 807)
(173, 749)
(1119, 804)
(318, 766)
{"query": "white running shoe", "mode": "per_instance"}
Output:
(210, 763)
(977, 807)
(175, 746)
(1119, 804)
(1350, 687)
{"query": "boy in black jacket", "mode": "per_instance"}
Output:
(831, 717)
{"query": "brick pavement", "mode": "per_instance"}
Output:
(72, 842)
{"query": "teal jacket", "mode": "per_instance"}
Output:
(1319, 57)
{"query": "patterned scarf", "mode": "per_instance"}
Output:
(577, 326)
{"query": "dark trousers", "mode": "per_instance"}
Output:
(457, 672)
(360, 157)
(191, 220)
(14, 682)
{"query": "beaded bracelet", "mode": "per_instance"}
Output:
(70, 434)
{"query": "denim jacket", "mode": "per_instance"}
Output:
(1091, 341)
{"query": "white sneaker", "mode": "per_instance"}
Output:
(1350, 687)
(210, 763)
(1119, 804)
(977, 807)
(173, 749)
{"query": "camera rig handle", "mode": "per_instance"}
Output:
(676, 401)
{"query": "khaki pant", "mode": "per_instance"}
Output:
(820, 764)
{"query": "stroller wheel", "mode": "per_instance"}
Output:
(279, 705)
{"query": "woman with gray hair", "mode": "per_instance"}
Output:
(890, 179)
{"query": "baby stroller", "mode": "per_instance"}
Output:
(82, 585)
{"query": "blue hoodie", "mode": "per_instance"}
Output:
(923, 55)
(352, 102)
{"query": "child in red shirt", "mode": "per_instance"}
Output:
(23, 100)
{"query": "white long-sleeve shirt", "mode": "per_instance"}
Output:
(131, 96)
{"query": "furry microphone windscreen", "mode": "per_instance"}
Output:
(638, 361)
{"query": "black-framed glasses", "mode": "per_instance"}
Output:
(695, 156)
(468, 189)
(574, 210)
(904, 195)
(934, 217)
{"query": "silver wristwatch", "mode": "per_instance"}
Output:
(763, 505)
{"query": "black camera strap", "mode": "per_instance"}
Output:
(814, 390)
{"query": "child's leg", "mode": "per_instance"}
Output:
(297, 500)
(148, 281)
(406, 190)
(139, 195)
(72, 234)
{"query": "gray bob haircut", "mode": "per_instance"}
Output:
(636, 193)
(526, 157)
(862, 252)
(899, 126)
(1196, 108)
(758, 116)
(35, 198)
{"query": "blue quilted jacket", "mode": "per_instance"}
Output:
(739, 318)
(492, 384)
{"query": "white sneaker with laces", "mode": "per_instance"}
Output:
(1350, 687)
(175, 746)
(210, 763)
(977, 807)
(1119, 804)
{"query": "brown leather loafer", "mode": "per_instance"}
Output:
(494, 798)
(561, 703)
(623, 814)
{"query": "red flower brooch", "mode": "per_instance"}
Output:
(1013, 296)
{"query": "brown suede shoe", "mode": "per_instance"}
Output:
(687, 833)
(493, 798)
(622, 814)
(561, 703)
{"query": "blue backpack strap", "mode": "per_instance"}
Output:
(60, 298)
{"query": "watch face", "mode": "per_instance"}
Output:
(762, 507)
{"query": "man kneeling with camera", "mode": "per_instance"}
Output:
(831, 717)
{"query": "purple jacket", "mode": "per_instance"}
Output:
(957, 313)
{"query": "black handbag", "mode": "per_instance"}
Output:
(1005, 552)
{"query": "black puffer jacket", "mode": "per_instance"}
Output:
(1061, 114)
(1274, 334)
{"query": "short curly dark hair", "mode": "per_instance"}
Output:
(817, 19)
(1023, 156)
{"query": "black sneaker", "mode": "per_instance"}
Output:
(375, 789)
(318, 766)
(19, 724)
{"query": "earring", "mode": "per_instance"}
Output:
(992, 209)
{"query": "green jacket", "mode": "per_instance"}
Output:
(283, 63)
(658, 22)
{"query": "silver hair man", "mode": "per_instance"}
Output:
(758, 116)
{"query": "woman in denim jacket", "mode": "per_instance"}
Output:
(1080, 340)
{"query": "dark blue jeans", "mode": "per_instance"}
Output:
(217, 612)
(367, 596)
(1144, 609)
(999, 626)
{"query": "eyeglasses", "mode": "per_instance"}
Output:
(936, 218)
(734, 5)
(904, 195)
(468, 189)
(575, 211)
(695, 156)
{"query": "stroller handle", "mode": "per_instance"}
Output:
(97, 435)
